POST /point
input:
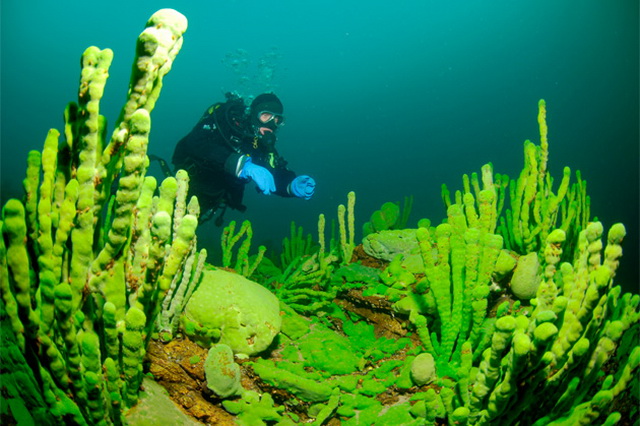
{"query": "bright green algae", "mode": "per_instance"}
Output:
(317, 363)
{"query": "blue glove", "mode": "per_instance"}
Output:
(260, 176)
(303, 187)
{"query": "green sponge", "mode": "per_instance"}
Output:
(423, 369)
(221, 371)
(228, 308)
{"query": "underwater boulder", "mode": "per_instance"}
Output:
(423, 369)
(221, 371)
(386, 245)
(228, 308)
(526, 277)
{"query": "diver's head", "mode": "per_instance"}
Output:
(266, 113)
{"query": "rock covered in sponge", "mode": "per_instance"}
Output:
(526, 277)
(423, 369)
(386, 245)
(230, 309)
(223, 374)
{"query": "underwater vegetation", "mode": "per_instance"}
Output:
(87, 275)
(506, 311)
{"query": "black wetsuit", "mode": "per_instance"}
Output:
(215, 150)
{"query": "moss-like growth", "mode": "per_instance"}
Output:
(228, 308)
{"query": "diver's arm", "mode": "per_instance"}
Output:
(234, 163)
(209, 153)
(289, 184)
(283, 178)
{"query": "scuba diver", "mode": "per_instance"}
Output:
(232, 145)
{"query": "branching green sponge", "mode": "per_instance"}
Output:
(70, 268)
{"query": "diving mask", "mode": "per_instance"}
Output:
(266, 113)
(268, 117)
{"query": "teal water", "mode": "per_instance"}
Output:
(383, 98)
